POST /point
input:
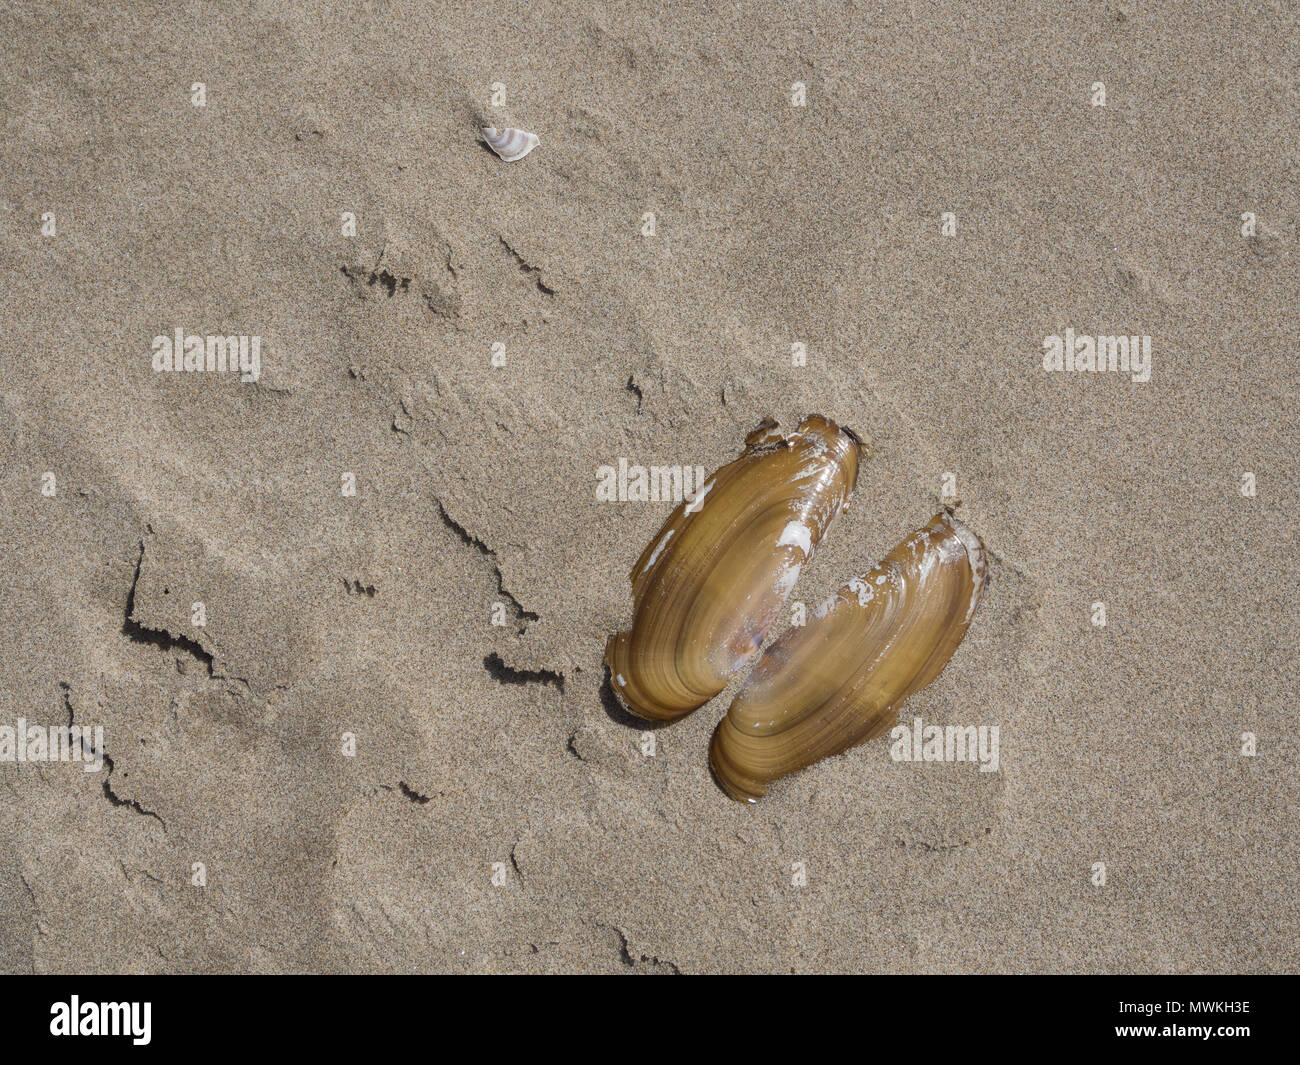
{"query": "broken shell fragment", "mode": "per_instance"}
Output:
(839, 680)
(510, 144)
(709, 586)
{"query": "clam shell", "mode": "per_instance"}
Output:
(510, 144)
(709, 586)
(840, 679)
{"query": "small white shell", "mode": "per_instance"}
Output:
(510, 144)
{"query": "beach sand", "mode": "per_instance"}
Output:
(497, 813)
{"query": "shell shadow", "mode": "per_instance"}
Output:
(618, 714)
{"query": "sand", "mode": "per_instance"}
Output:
(498, 813)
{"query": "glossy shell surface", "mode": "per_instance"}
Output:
(711, 583)
(840, 679)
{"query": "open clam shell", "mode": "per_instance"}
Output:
(840, 679)
(709, 586)
(510, 144)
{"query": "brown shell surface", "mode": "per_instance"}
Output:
(709, 586)
(840, 679)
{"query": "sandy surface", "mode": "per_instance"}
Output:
(475, 485)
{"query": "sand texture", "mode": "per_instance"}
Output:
(499, 814)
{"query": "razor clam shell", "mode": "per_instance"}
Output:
(840, 679)
(709, 586)
(510, 144)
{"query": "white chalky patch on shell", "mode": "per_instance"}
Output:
(659, 547)
(863, 590)
(797, 534)
(787, 579)
(974, 556)
(931, 557)
(695, 503)
(817, 444)
(827, 605)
